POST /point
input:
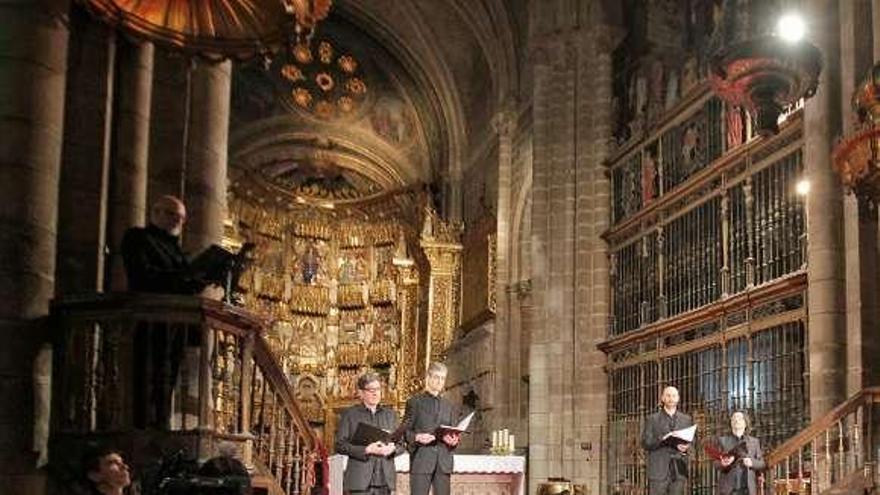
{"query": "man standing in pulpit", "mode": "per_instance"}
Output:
(370, 468)
(430, 456)
(667, 458)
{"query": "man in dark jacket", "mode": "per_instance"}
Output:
(370, 468)
(667, 460)
(743, 460)
(430, 457)
(154, 262)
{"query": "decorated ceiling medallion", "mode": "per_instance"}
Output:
(302, 53)
(302, 97)
(324, 81)
(348, 64)
(321, 81)
(325, 52)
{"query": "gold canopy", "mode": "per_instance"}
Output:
(213, 28)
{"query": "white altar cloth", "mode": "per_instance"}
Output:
(462, 464)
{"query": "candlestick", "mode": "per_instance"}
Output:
(512, 444)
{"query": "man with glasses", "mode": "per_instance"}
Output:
(430, 456)
(370, 468)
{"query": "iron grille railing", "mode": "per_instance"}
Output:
(750, 233)
(763, 373)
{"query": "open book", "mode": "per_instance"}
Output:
(715, 451)
(216, 263)
(461, 427)
(684, 435)
(212, 264)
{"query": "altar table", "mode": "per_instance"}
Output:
(472, 474)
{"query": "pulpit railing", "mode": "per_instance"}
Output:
(175, 373)
(835, 452)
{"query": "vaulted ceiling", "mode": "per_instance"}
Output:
(435, 72)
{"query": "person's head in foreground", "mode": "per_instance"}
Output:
(106, 471)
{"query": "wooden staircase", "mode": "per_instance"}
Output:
(227, 388)
(834, 455)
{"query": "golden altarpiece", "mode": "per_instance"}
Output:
(348, 287)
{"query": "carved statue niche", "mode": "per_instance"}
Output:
(309, 344)
(309, 263)
(649, 177)
(309, 398)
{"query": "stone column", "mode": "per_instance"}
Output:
(552, 318)
(33, 63)
(82, 202)
(825, 247)
(504, 353)
(207, 147)
(128, 176)
(591, 262)
(168, 135)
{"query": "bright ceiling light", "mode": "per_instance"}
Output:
(803, 187)
(791, 28)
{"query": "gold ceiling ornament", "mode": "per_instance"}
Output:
(214, 29)
(318, 79)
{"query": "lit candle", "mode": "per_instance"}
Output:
(512, 444)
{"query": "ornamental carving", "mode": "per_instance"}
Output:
(342, 293)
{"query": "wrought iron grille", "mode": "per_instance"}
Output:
(763, 373)
(763, 224)
(693, 258)
(635, 287)
(779, 219)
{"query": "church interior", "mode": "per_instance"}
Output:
(571, 203)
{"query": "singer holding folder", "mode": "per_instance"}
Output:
(370, 468)
(665, 438)
(739, 458)
(429, 443)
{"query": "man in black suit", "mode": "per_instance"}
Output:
(667, 461)
(737, 470)
(154, 262)
(370, 468)
(430, 463)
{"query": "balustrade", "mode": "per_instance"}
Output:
(187, 372)
(835, 452)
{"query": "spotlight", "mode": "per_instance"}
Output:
(791, 28)
(803, 187)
